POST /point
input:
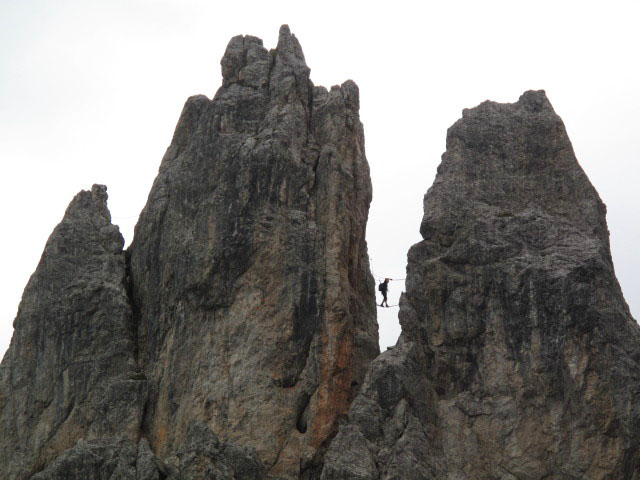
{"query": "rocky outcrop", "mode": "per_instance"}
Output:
(249, 267)
(233, 336)
(245, 303)
(201, 456)
(102, 459)
(518, 357)
(70, 370)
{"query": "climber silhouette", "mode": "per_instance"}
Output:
(383, 289)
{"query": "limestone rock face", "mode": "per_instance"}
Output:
(236, 338)
(250, 277)
(70, 371)
(231, 337)
(518, 357)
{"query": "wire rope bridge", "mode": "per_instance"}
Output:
(381, 279)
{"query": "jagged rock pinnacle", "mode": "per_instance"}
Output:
(236, 338)
(70, 370)
(243, 318)
(518, 357)
(246, 270)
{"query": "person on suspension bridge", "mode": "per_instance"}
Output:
(383, 287)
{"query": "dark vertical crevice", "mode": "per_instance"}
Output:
(302, 412)
(135, 310)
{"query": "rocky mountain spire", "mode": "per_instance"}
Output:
(70, 371)
(236, 330)
(236, 338)
(518, 357)
(249, 265)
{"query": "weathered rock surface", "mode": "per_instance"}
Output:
(201, 456)
(233, 334)
(250, 274)
(518, 357)
(70, 371)
(204, 456)
(103, 459)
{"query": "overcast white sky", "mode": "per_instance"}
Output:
(90, 92)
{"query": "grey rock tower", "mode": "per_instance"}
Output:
(518, 357)
(70, 371)
(249, 264)
(234, 333)
(236, 338)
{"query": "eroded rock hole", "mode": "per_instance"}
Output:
(303, 413)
